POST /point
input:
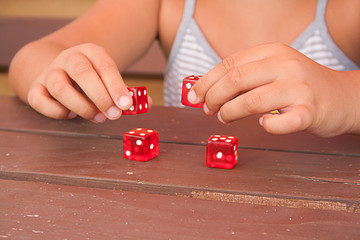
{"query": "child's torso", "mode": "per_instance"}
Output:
(225, 27)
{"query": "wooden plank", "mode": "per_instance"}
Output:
(284, 179)
(46, 211)
(177, 125)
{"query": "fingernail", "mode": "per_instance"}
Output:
(206, 109)
(124, 101)
(192, 97)
(220, 118)
(114, 112)
(99, 118)
(71, 115)
(261, 121)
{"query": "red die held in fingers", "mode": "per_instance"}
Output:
(141, 144)
(222, 151)
(140, 101)
(188, 82)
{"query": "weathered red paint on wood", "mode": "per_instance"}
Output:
(178, 125)
(47, 211)
(69, 179)
(98, 162)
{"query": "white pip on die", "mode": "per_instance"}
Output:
(140, 101)
(188, 82)
(222, 151)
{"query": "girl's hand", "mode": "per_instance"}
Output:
(274, 76)
(82, 80)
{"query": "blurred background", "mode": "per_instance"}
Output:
(22, 21)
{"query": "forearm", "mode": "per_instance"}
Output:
(29, 62)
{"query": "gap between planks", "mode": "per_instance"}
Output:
(340, 205)
(114, 137)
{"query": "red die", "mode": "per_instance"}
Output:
(188, 82)
(141, 144)
(222, 151)
(140, 101)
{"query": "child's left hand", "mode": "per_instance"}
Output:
(309, 96)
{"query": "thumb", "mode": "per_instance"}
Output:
(297, 118)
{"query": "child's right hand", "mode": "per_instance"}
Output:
(82, 80)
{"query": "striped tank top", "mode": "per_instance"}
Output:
(192, 54)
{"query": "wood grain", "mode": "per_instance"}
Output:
(48, 211)
(68, 179)
(176, 125)
(272, 178)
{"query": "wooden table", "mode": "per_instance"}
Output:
(68, 179)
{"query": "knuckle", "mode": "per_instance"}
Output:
(277, 47)
(93, 49)
(103, 99)
(75, 63)
(80, 68)
(303, 119)
(298, 123)
(65, 53)
(293, 65)
(57, 87)
(89, 45)
(33, 98)
(228, 64)
(252, 102)
(36, 100)
(106, 65)
(235, 77)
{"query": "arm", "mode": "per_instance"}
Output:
(309, 96)
(86, 54)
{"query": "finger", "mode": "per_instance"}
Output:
(61, 89)
(259, 100)
(81, 71)
(108, 72)
(40, 100)
(297, 118)
(197, 93)
(150, 102)
(238, 81)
